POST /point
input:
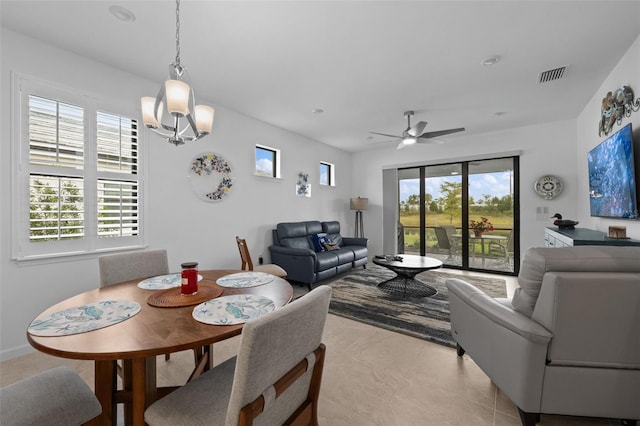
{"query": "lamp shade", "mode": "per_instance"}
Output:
(177, 97)
(359, 203)
(148, 114)
(204, 118)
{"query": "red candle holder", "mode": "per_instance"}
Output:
(189, 278)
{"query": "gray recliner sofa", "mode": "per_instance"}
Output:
(293, 249)
(568, 342)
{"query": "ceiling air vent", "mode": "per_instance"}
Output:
(552, 75)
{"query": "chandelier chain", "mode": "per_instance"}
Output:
(177, 32)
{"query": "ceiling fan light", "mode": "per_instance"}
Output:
(177, 97)
(409, 140)
(204, 119)
(148, 115)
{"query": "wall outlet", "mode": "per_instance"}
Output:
(542, 213)
(260, 260)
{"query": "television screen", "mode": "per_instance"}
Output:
(612, 185)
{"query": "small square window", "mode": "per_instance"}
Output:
(327, 174)
(267, 161)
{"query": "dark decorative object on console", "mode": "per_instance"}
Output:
(563, 223)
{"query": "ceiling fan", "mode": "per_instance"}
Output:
(414, 134)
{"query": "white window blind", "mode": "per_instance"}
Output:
(117, 208)
(56, 133)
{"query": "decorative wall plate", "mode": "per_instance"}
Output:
(548, 186)
(210, 176)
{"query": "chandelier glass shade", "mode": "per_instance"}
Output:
(186, 120)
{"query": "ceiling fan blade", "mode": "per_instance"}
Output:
(401, 145)
(437, 133)
(384, 134)
(431, 140)
(417, 129)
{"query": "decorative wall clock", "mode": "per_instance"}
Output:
(210, 176)
(548, 186)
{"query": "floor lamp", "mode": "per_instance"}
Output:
(359, 204)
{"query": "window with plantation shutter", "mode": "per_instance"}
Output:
(79, 182)
(117, 150)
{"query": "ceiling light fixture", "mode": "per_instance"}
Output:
(409, 140)
(492, 60)
(122, 14)
(179, 99)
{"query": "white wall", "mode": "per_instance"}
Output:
(544, 149)
(558, 148)
(626, 72)
(190, 229)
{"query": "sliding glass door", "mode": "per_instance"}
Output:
(465, 214)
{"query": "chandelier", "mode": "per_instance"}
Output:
(188, 121)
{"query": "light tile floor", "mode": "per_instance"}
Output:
(371, 377)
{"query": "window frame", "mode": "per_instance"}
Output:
(22, 249)
(276, 161)
(331, 174)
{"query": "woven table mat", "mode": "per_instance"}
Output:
(172, 298)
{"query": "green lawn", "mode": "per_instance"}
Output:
(411, 222)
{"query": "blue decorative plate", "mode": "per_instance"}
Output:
(163, 282)
(84, 318)
(234, 309)
(245, 279)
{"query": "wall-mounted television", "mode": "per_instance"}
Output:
(612, 178)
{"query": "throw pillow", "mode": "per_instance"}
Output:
(319, 240)
(331, 246)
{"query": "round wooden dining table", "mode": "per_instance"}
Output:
(138, 340)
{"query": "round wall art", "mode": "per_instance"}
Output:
(548, 186)
(210, 176)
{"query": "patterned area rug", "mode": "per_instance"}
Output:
(356, 296)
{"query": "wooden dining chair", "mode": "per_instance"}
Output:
(247, 264)
(274, 379)
(56, 397)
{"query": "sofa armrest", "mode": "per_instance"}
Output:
(299, 263)
(510, 347)
(352, 241)
(498, 313)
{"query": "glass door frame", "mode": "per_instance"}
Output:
(465, 239)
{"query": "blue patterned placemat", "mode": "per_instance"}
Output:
(245, 279)
(234, 309)
(163, 282)
(84, 318)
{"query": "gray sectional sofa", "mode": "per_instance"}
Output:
(295, 250)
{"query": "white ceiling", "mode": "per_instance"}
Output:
(363, 62)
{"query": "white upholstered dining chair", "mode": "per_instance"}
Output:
(56, 397)
(275, 378)
(116, 268)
